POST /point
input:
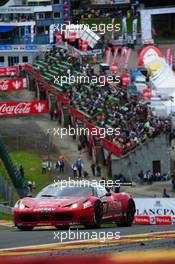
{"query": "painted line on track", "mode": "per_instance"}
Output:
(85, 244)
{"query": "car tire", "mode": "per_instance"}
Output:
(98, 213)
(25, 228)
(130, 215)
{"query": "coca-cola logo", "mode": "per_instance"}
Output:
(21, 108)
(4, 87)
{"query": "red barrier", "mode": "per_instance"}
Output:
(9, 71)
(154, 220)
(142, 220)
(111, 147)
(76, 114)
(11, 85)
(63, 99)
(23, 108)
(163, 220)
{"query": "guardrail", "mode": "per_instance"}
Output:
(5, 209)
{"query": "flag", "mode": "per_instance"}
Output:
(168, 55)
(128, 54)
(134, 29)
(26, 33)
(51, 30)
(115, 54)
(124, 28)
(32, 33)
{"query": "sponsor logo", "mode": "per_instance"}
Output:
(156, 211)
(23, 108)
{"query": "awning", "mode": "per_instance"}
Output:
(7, 28)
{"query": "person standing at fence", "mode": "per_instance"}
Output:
(93, 169)
(79, 165)
(21, 170)
(74, 168)
(61, 163)
(44, 167)
(98, 171)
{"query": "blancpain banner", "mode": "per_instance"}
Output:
(155, 206)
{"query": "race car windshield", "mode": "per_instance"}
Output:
(58, 192)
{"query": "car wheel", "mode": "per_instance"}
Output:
(130, 215)
(98, 213)
(25, 228)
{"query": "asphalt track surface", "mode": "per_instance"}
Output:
(134, 238)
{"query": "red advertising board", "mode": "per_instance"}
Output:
(142, 220)
(23, 108)
(9, 71)
(146, 94)
(125, 79)
(163, 220)
(59, 37)
(114, 67)
(11, 85)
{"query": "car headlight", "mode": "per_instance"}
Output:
(75, 205)
(87, 204)
(20, 205)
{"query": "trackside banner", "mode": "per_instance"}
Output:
(9, 71)
(23, 108)
(11, 85)
(160, 211)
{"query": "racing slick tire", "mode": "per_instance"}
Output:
(130, 215)
(98, 213)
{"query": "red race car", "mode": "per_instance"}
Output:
(62, 206)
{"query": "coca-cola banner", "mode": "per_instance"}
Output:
(23, 108)
(9, 71)
(11, 85)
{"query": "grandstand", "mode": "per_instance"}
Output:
(96, 106)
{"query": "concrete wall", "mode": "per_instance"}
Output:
(142, 158)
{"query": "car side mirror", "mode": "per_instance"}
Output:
(108, 194)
